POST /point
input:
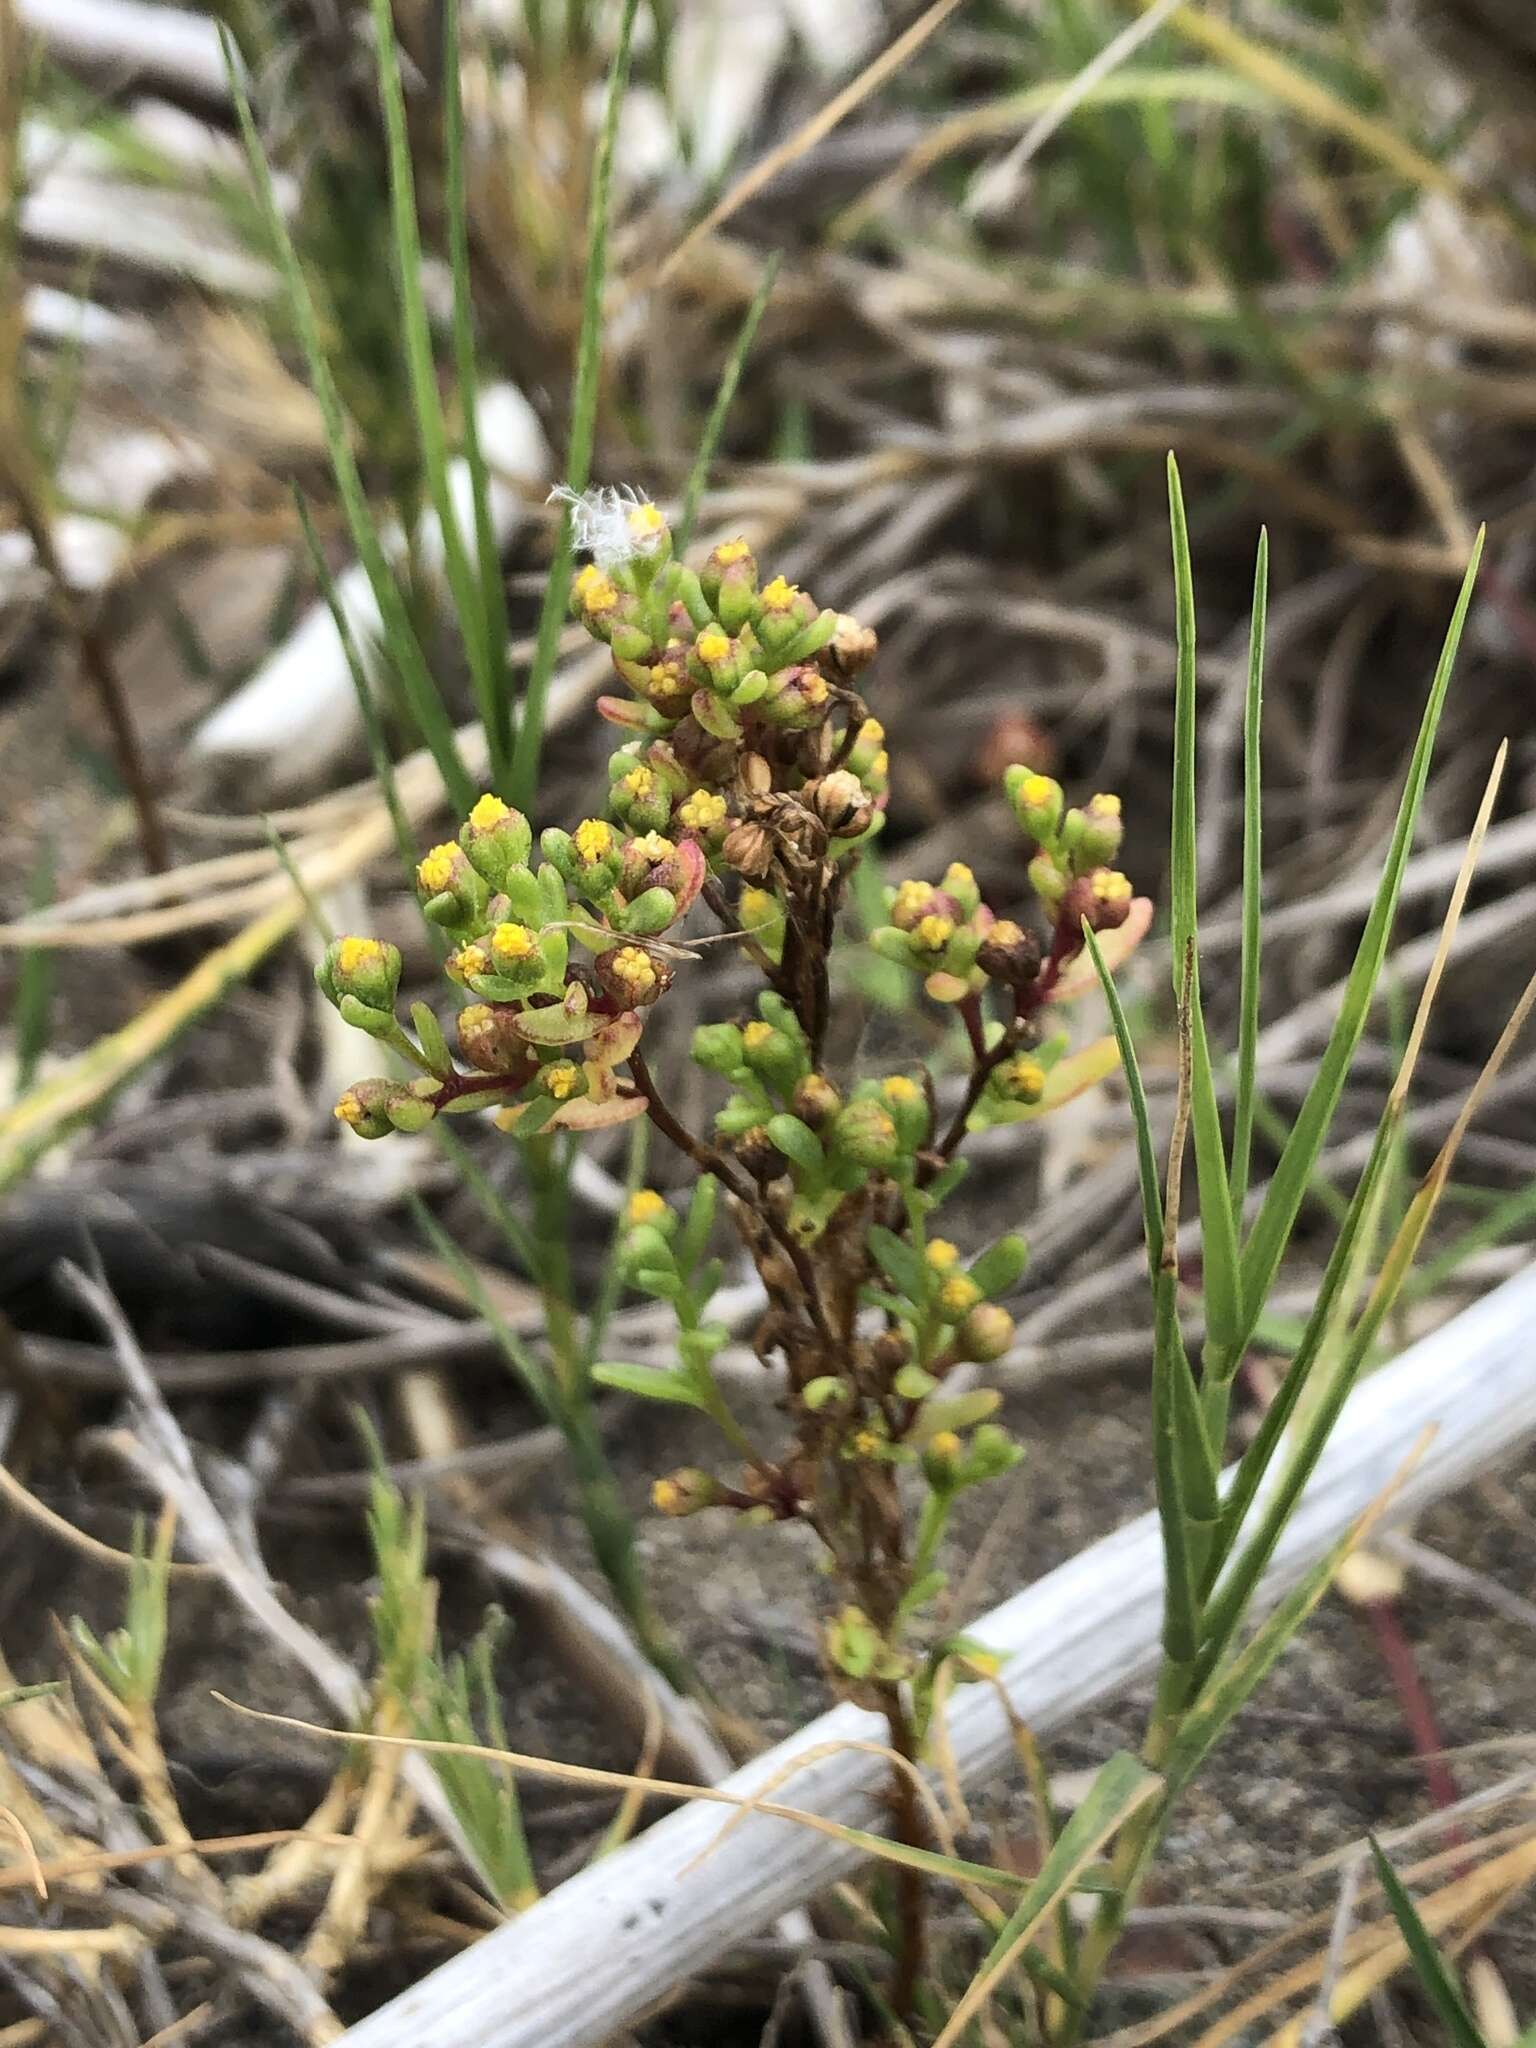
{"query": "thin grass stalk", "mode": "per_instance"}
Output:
(1253, 883)
(719, 412)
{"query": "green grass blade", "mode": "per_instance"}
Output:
(421, 693)
(1272, 1227)
(527, 1368)
(719, 412)
(1253, 879)
(1430, 1967)
(496, 709)
(416, 334)
(1223, 1296)
(1225, 1692)
(497, 1212)
(1146, 1154)
(378, 747)
(1181, 1613)
(529, 745)
(1122, 1787)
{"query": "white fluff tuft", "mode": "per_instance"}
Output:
(601, 523)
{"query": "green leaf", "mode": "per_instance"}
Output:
(654, 1383)
(1146, 1154)
(901, 1263)
(433, 1044)
(1272, 1227)
(1001, 1266)
(529, 745)
(1181, 1621)
(1431, 1968)
(1253, 882)
(798, 1142)
(700, 1222)
(1223, 1295)
(1122, 1787)
(425, 703)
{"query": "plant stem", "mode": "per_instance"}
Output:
(911, 1887)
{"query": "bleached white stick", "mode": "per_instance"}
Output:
(581, 1965)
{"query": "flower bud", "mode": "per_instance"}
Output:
(1102, 900)
(597, 601)
(853, 1643)
(773, 1055)
(941, 1460)
(908, 1107)
(515, 954)
(1009, 954)
(841, 802)
(368, 970)
(728, 580)
(985, 1334)
(762, 915)
(719, 1048)
(913, 901)
(650, 913)
(1047, 880)
(488, 1039)
(640, 799)
(960, 885)
(1036, 801)
(958, 1295)
(815, 1100)
(587, 860)
(374, 1108)
(783, 611)
(868, 747)
(1093, 834)
(991, 1453)
(685, 1492)
(826, 1391)
(633, 976)
(941, 1256)
(931, 935)
(865, 1132)
(853, 646)
(495, 840)
(452, 893)
(646, 1209)
(717, 661)
(1020, 1079)
(797, 699)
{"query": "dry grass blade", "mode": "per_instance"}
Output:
(821, 124)
(64, 1869)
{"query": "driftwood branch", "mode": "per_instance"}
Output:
(584, 1963)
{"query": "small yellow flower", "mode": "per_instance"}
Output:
(655, 848)
(666, 1496)
(756, 1034)
(594, 839)
(598, 593)
(349, 1110)
(561, 1079)
(900, 1088)
(1036, 790)
(712, 645)
(1110, 886)
(634, 971)
(352, 955)
(909, 901)
(488, 811)
(435, 873)
(814, 689)
(779, 594)
(880, 767)
(511, 944)
(639, 783)
(958, 878)
(644, 1206)
(866, 1444)
(702, 812)
(645, 521)
(1005, 933)
(933, 932)
(946, 1445)
(1022, 1079)
(958, 1294)
(468, 960)
(1106, 805)
(871, 733)
(942, 1255)
(730, 551)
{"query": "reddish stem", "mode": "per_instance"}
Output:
(1401, 1660)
